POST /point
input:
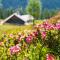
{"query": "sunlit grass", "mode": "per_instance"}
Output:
(13, 28)
(8, 28)
(38, 21)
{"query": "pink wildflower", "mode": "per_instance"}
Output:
(41, 26)
(29, 39)
(52, 27)
(43, 34)
(58, 26)
(11, 35)
(48, 26)
(15, 49)
(34, 34)
(21, 37)
(50, 57)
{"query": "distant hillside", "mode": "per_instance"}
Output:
(14, 3)
(49, 4)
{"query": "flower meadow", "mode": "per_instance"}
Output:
(43, 43)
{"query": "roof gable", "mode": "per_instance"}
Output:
(25, 18)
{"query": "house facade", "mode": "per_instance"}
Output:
(18, 19)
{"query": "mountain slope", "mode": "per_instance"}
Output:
(14, 3)
(49, 4)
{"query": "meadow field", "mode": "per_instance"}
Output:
(8, 28)
(28, 42)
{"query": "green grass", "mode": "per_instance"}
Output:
(38, 21)
(15, 28)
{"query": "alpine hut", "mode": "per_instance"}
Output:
(18, 19)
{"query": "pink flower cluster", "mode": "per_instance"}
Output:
(34, 34)
(50, 57)
(43, 34)
(21, 37)
(29, 39)
(48, 26)
(15, 49)
(58, 26)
